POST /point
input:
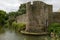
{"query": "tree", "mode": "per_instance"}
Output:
(12, 15)
(2, 17)
(22, 9)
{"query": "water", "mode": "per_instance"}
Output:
(11, 35)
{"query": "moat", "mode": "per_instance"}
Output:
(11, 35)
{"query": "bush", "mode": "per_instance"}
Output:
(54, 27)
(21, 25)
(18, 26)
(14, 24)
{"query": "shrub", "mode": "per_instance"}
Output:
(54, 27)
(21, 25)
(14, 24)
(18, 26)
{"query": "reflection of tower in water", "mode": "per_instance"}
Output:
(36, 38)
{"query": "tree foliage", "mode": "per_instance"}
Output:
(22, 9)
(11, 16)
(2, 17)
(54, 27)
(18, 26)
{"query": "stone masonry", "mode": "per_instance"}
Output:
(37, 20)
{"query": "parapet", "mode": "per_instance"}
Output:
(35, 2)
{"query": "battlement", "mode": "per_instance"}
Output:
(35, 2)
(38, 5)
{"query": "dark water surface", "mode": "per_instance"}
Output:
(11, 35)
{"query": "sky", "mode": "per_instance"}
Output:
(13, 5)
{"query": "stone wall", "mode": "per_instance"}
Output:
(56, 17)
(22, 19)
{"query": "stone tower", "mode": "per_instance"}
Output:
(37, 16)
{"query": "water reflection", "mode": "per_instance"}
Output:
(2, 30)
(35, 38)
